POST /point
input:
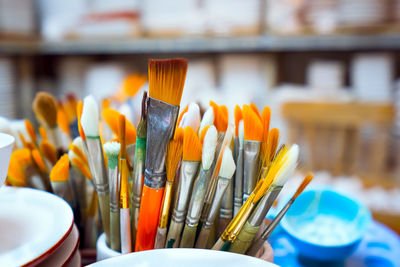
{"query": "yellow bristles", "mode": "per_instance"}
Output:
(19, 160)
(105, 103)
(253, 128)
(303, 185)
(181, 114)
(166, 79)
(25, 143)
(42, 132)
(62, 120)
(48, 151)
(255, 109)
(39, 160)
(79, 153)
(111, 118)
(79, 109)
(238, 117)
(203, 133)
(191, 145)
(82, 167)
(60, 171)
(174, 154)
(30, 130)
(45, 109)
(265, 120)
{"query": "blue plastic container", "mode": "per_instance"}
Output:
(326, 225)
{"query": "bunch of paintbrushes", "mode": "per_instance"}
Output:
(179, 180)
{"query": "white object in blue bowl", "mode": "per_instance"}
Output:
(326, 225)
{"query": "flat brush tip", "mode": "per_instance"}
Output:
(227, 165)
(253, 128)
(45, 108)
(60, 171)
(191, 145)
(90, 117)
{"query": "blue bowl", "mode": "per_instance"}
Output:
(326, 225)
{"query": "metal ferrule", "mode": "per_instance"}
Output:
(236, 145)
(114, 189)
(257, 217)
(251, 150)
(188, 173)
(161, 122)
(222, 186)
(238, 191)
(268, 231)
(197, 199)
(96, 165)
(226, 210)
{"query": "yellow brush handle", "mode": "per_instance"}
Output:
(244, 239)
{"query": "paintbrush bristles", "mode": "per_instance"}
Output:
(255, 109)
(122, 134)
(30, 130)
(253, 128)
(166, 79)
(60, 171)
(174, 154)
(265, 119)
(45, 108)
(303, 185)
(203, 133)
(49, 151)
(238, 117)
(90, 117)
(111, 117)
(79, 109)
(272, 144)
(228, 166)
(191, 145)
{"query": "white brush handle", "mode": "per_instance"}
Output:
(126, 243)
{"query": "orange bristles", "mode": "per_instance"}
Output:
(166, 79)
(82, 167)
(110, 116)
(174, 154)
(255, 109)
(253, 128)
(203, 133)
(181, 115)
(39, 160)
(45, 108)
(191, 145)
(105, 103)
(25, 143)
(132, 84)
(60, 171)
(30, 130)
(215, 108)
(265, 119)
(222, 120)
(238, 117)
(70, 107)
(79, 153)
(122, 135)
(48, 151)
(62, 120)
(303, 185)
(42, 132)
(272, 144)
(79, 108)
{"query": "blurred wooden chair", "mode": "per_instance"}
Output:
(343, 138)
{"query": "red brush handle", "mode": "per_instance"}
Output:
(149, 214)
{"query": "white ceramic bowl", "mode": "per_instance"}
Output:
(6, 145)
(176, 257)
(33, 224)
(103, 251)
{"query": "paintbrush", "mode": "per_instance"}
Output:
(45, 108)
(166, 81)
(259, 242)
(138, 171)
(207, 120)
(208, 137)
(112, 150)
(238, 192)
(174, 155)
(59, 177)
(90, 126)
(125, 219)
(248, 233)
(191, 158)
(224, 178)
(31, 132)
(253, 132)
(48, 151)
(191, 117)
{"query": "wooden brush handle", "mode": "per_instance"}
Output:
(203, 237)
(188, 237)
(174, 234)
(104, 203)
(218, 245)
(244, 239)
(115, 231)
(160, 238)
(148, 218)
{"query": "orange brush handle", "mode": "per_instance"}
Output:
(148, 218)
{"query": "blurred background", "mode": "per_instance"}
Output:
(328, 70)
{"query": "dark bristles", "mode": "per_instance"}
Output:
(142, 125)
(45, 108)
(166, 79)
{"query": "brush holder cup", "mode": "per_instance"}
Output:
(6, 146)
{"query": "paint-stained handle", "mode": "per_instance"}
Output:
(244, 239)
(188, 237)
(218, 245)
(174, 234)
(160, 237)
(148, 218)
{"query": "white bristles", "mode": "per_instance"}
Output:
(78, 143)
(112, 149)
(227, 165)
(71, 155)
(126, 110)
(208, 119)
(90, 117)
(209, 144)
(191, 117)
(241, 134)
(288, 167)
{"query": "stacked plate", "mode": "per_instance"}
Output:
(36, 228)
